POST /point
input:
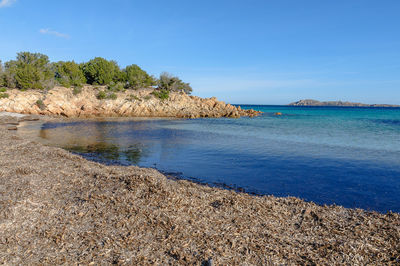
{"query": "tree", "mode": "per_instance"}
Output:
(100, 71)
(28, 71)
(35, 71)
(69, 74)
(172, 83)
(137, 77)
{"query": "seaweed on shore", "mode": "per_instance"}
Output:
(58, 208)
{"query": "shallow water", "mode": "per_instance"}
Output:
(345, 156)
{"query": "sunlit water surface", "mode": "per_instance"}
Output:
(346, 156)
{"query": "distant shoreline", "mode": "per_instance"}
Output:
(310, 102)
(311, 106)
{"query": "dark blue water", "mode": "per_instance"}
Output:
(329, 155)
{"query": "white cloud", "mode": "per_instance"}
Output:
(4, 3)
(54, 33)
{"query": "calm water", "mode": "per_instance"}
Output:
(346, 156)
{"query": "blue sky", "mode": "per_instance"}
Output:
(253, 51)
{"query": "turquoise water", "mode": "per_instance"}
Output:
(329, 155)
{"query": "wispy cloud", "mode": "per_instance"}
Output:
(54, 33)
(4, 3)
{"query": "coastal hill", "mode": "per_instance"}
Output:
(310, 102)
(98, 101)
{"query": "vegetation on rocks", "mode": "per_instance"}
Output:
(28, 71)
(100, 71)
(119, 86)
(35, 71)
(103, 95)
(133, 98)
(162, 94)
(3, 94)
(76, 90)
(69, 74)
(171, 83)
(40, 104)
(138, 78)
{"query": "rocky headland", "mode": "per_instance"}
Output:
(310, 102)
(61, 101)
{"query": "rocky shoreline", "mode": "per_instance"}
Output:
(58, 208)
(310, 102)
(62, 101)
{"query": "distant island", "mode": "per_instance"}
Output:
(310, 102)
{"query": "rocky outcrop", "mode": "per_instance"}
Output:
(309, 102)
(62, 101)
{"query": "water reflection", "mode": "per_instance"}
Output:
(96, 140)
(108, 153)
(264, 155)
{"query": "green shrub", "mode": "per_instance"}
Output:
(118, 86)
(40, 104)
(69, 74)
(101, 95)
(7, 79)
(100, 71)
(120, 76)
(133, 98)
(172, 83)
(27, 77)
(161, 94)
(76, 90)
(106, 95)
(147, 97)
(29, 71)
(3, 89)
(138, 78)
(112, 96)
(4, 95)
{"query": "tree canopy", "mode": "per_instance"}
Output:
(69, 74)
(35, 71)
(137, 77)
(28, 71)
(100, 71)
(172, 83)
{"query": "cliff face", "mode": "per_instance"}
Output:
(309, 102)
(131, 103)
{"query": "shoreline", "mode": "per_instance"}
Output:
(78, 211)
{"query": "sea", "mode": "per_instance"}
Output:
(346, 156)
